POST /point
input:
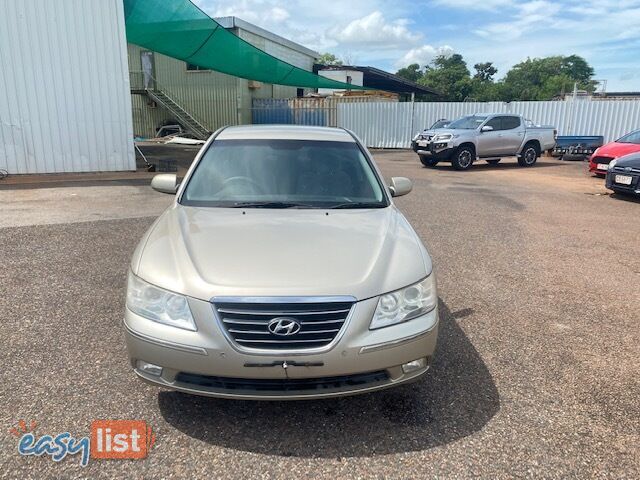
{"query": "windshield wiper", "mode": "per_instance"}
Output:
(358, 205)
(271, 205)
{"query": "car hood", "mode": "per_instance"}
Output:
(452, 131)
(427, 132)
(207, 252)
(616, 150)
(439, 131)
(631, 160)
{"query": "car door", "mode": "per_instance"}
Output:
(512, 134)
(489, 143)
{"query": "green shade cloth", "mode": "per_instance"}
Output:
(181, 30)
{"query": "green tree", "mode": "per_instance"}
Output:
(485, 71)
(577, 68)
(411, 72)
(485, 91)
(450, 76)
(545, 78)
(329, 59)
(483, 88)
(533, 79)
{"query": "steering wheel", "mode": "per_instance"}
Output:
(246, 180)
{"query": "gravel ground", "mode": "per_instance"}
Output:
(536, 373)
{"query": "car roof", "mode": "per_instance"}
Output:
(285, 132)
(493, 114)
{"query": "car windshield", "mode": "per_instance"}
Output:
(284, 174)
(633, 137)
(467, 123)
(440, 124)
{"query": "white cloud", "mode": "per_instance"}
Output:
(374, 30)
(265, 13)
(531, 16)
(506, 32)
(279, 14)
(423, 55)
(312, 24)
(474, 4)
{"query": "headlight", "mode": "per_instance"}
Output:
(415, 138)
(406, 303)
(158, 305)
(612, 164)
(444, 137)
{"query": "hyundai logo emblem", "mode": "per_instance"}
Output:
(283, 326)
(627, 169)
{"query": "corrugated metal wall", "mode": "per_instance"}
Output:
(320, 111)
(64, 87)
(384, 125)
(214, 99)
(210, 97)
(282, 52)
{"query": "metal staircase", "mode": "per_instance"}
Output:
(160, 96)
(185, 118)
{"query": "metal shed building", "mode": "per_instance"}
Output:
(166, 89)
(64, 92)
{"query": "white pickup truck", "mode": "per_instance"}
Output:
(488, 136)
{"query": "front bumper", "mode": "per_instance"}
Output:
(633, 188)
(438, 151)
(207, 363)
(593, 168)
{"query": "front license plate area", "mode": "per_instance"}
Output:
(623, 179)
(423, 143)
(603, 166)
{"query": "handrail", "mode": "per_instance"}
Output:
(138, 75)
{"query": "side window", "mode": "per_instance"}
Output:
(632, 138)
(509, 123)
(495, 122)
(195, 68)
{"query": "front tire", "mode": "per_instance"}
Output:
(463, 158)
(428, 161)
(529, 155)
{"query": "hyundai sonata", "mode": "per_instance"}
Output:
(282, 270)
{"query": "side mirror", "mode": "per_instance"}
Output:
(400, 186)
(487, 128)
(165, 183)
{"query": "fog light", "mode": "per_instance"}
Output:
(150, 368)
(414, 365)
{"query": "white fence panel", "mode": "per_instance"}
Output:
(392, 125)
(427, 113)
(543, 113)
(609, 118)
(379, 125)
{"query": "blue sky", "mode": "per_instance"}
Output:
(389, 35)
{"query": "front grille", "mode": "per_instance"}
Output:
(282, 384)
(247, 323)
(606, 160)
(622, 170)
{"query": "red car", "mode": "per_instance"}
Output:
(599, 161)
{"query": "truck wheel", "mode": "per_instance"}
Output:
(494, 161)
(463, 158)
(529, 155)
(428, 161)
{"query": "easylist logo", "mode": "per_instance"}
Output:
(109, 439)
(119, 439)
